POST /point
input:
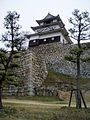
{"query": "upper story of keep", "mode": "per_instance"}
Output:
(50, 29)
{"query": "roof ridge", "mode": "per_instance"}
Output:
(49, 16)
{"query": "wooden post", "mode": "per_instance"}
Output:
(83, 99)
(81, 95)
(70, 97)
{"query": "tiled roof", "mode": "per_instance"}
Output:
(48, 17)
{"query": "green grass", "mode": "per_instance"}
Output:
(40, 108)
(72, 114)
(15, 112)
(36, 98)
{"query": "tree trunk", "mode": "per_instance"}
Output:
(1, 106)
(78, 104)
(2, 79)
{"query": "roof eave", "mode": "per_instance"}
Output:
(52, 18)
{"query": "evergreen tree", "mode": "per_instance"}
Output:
(20, 42)
(7, 57)
(79, 32)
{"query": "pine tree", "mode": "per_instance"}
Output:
(7, 57)
(79, 32)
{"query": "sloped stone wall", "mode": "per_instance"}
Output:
(32, 72)
(54, 54)
(35, 62)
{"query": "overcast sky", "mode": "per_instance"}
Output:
(31, 10)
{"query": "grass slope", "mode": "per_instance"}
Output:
(64, 79)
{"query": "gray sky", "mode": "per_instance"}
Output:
(31, 10)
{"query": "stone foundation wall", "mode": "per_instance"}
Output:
(35, 62)
(54, 54)
(32, 72)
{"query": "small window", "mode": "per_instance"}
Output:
(48, 22)
(63, 42)
(53, 38)
(55, 20)
(41, 23)
(44, 40)
(34, 41)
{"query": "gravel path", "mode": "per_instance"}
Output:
(30, 102)
(37, 103)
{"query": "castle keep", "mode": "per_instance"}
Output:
(46, 50)
(51, 29)
(48, 37)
